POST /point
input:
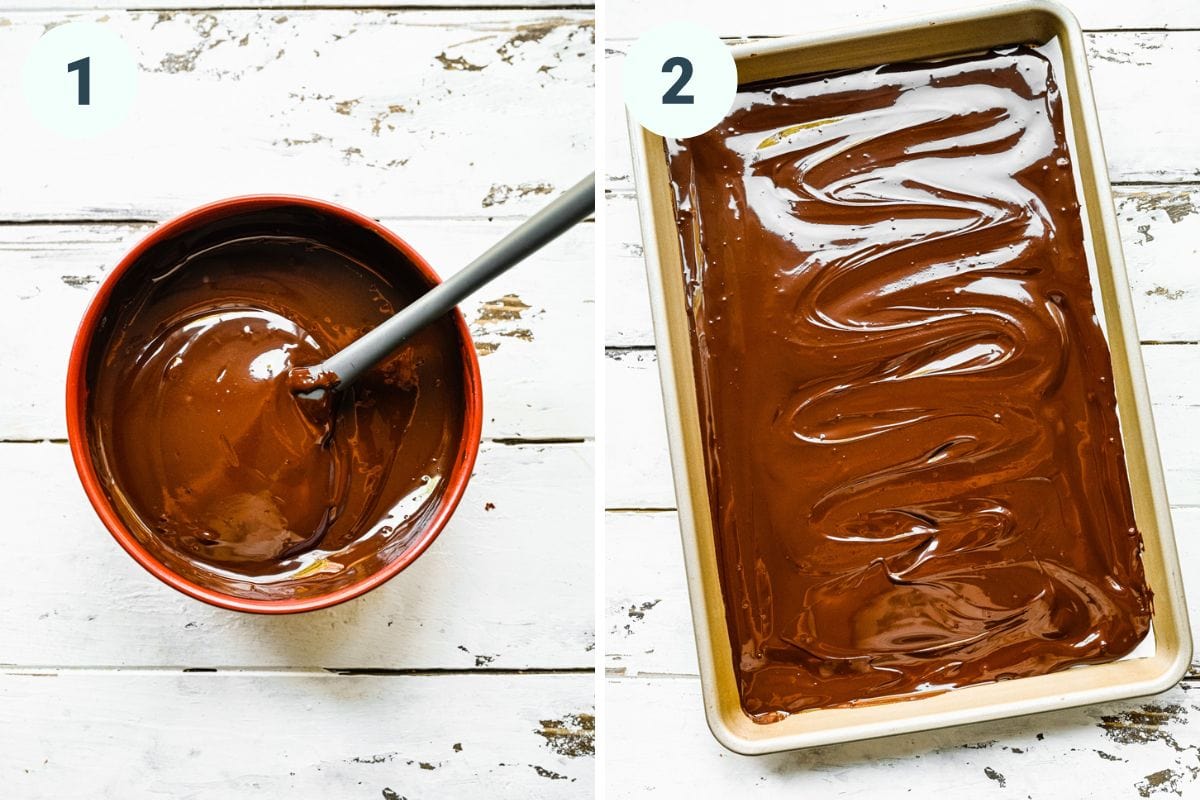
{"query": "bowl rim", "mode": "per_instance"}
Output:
(77, 405)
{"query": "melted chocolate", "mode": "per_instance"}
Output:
(913, 455)
(209, 458)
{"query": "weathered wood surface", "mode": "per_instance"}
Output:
(1160, 235)
(157, 5)
(1136, 749)
(1141, 80)
(131, 735)
(648, 619)
(628, 18)
(451, 126)
(532, 327)
(430, 114)
(1141, 748)
(1160, 228)
(503, 587)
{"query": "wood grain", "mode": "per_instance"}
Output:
(430, 114)
(1160, 236)
(452, 126)
(1139, 748)
(627, 18)
(648, 619)
(1139, 80)
(503, 587)
(638, 472)
(532, 327)
(116, 736)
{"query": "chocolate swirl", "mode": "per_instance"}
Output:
(913, 452)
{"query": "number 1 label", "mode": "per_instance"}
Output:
(84, 67)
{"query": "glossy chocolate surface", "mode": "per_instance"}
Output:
(223, 473)
(912, 448)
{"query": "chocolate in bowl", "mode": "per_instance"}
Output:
(197, 456)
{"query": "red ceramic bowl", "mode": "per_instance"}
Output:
(81, 446)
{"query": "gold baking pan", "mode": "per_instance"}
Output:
(1163, 658)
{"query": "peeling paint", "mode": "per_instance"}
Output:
(381, 758)
(174, 63)
(1162, 291)
(1165, 780)
(1177, 205)
(314, 139)
(995, 776)
(572, 736)
(508, 307)
(545, 773)
(638, 612)
(80, 281)
(533, 33)
(456, 64)
(502, 193)
(1147, 724)
(979, 745)
(378, 120)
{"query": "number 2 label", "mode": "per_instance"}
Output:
(678, 80)
(672, 96)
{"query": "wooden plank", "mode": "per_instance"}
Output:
(648, 619)
(504, 587)
(478, 113)
(1160, 233)
(156, 5)
(628, 18)
(1138, 748)
(1140, 80)
(538, 369)
(212, 737)
(638, 471)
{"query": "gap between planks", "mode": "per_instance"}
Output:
(200, 9)
(759, 37)
(119, 221)
(619, 673)
(617, 351)
(43, 671)
(506, 441)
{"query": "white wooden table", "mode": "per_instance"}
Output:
(471, 674)
(1145, 59)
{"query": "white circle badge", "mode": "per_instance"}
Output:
(679, 80)
(80, 79)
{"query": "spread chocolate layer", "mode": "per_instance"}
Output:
(213, 462)
(913, 455)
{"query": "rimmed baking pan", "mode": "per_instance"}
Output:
(1164, 653)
